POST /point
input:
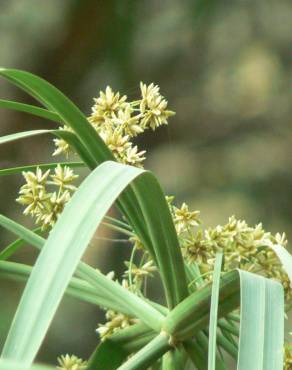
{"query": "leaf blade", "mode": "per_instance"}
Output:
(56, 265)
(261, 341)
(42, 166)
(27, 108)
(214, 312)
(97, 152)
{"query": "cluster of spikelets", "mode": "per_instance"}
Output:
(134, 280)
(244, 247)
(67, 362)
(44, 195)
(115, 320)
(118, 121)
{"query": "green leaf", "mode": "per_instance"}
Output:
(175, 359)
(93, 151)
(26, 108)
(77, 288)
(112, 352)
(60, 256)
(226, 343)
(134, 337)
(164, 239)
(128, 302)
(198, 352)
(214, 312)
(27, 235)
(58, 103)
(148, 354)
(108, 356)
(97, 151)
(22, 135)
(43, 166)
(193, 313)
(66, 135)
(14, 247)
(262, 323)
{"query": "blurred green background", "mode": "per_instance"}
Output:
(225, 68)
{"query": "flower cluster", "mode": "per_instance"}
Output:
(244, 247)
(136, 274)
(67, 362)
(115, 320)
(43, 205)
(184, 219)
(118, 121)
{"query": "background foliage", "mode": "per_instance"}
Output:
(225, 69)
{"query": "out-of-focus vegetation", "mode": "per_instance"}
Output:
(226, 70)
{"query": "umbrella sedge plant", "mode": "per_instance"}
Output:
(226, 289)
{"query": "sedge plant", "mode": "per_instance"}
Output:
(227, 289)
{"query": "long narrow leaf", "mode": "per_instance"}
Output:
(66, 135)
(214, 312)
(193, 313)
(112, 352)
(164, 239)
(77, 288)
(33, 167)
(60, 256)
(97, 152)
(21, 135)
(14, 247)
(262, 323)
(57, 102)
(25, 234)
(148, 354)
(94, 277)
(27, 108)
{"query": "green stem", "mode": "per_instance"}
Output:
(148, 355)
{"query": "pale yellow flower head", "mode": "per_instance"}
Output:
(41, 203)
(107, 104)
(67, 362)
(184, 218)
(63, 177)
(153, 107)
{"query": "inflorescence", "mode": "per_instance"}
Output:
(118, 121)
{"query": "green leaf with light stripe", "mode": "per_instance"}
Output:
(27, 108)
(261, 337)
(42, 166)
(97, 152)
(214, 312)
(60, 256)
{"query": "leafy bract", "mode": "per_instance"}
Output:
(93, 151)
(60, 256)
